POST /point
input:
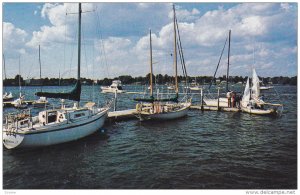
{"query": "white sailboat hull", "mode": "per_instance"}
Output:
(266, 87)
(195, 88)
(166, 115)
(223, 102)
(111, 90)
(60, 133)
(258, 111)
(7, 97)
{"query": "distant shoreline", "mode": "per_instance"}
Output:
(158, 79)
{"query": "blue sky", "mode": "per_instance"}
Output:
(115, 38)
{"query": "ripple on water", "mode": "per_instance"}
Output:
(205, 150)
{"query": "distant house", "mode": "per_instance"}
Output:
(27, 81)
(33, 82)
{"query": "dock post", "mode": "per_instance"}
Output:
(202, 99)
(218, 98)
(115, 102)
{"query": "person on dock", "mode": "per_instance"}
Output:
(237, 100)
(233, 100)
(228, 95)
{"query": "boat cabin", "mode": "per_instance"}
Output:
(51, 116)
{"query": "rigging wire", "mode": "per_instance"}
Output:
(72, 53)
(218, 64)
(102, 42)
(93, 74)
(179, 45)
(65, 40)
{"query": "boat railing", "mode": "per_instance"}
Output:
(17, 119)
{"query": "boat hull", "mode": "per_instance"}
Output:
(258, 111)
(195, 88)
(265, 88)
(59, 134)
(8, 99)
(109, 90)
(166, 115)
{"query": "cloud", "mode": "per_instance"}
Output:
(185, 15)
(63, 19)
(285, 6)
(203, 37)
(13, 38)
(267, 30)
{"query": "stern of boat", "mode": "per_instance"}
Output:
(11, 139)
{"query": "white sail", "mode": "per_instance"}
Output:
(255, 85)
(246, 96)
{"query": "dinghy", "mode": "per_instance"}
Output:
(253, 103)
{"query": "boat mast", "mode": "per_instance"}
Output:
(228, 61)
(79, 43)
(20, 76)
(175, 51)
(40, 67)
(4, 67)
(151, 69)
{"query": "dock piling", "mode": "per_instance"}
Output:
(218, 107)
(201, 92)
(115, 102)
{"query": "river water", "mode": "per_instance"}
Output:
(205, 150)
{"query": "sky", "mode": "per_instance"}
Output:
(115, 38)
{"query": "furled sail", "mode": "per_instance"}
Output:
(73, 95)
(255, 85)
(246, 96)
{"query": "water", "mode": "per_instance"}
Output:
(205, 150)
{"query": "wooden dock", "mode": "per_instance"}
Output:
(9, 104)
(122, 114)
(214, 108)
(130, 114)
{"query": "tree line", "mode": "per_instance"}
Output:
(158, 79)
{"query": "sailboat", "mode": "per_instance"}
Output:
(6, 96)
(252, 102)
(195, 86)
(163, 109)
(115, 87)
(223, 101)
(55, 126)
(42, 101)
(265, 87)
(19, 103)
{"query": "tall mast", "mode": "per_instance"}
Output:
(40, 67)
(20, 75)
(227, 77)
(175, 51)
(40, 63)
(151, 69)
(4, 67)
(79, 41)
